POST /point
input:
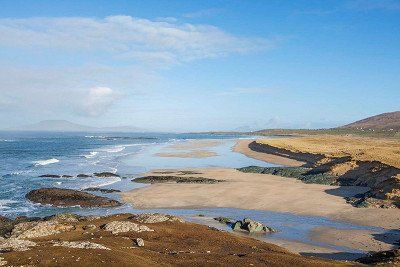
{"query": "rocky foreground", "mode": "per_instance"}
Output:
(134, 240)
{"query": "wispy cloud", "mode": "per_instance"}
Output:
(126, 36)
(90, 89)
(246, 91)
(365, 5)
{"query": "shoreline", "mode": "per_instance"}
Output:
(273, 193)
(270, 193)
(242, 146)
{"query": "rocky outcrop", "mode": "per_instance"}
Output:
(390, 257)
(301, 173)
(309, 158)
(80, 245)
(252, 226)
(55, 176)
(81, 175)
(102, 190)
(68, 197)
(117, 227)
(246, 224)
(155, 218)
(15, 244)
(105, 174)
(27, 230)
(153, 179)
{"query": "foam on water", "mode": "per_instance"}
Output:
(45, 162)
(91, 154)
(115, 149)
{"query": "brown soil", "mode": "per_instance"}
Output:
(171, 243)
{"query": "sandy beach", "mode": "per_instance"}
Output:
(274, 193)
(190, 149)
(262, 192)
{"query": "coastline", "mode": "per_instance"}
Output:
(266, 192)
(261, 192)
(242, 146)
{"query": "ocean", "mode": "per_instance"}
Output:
(24, 156)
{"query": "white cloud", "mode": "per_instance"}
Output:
(123, 54)
(97, 101)
(126, 36)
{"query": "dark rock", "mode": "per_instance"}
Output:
(391, 257)
(301, 173)
(102, 190)
(105, 174)
(55, 176)
(6, 226)
(223, 220)
(83, 175)
(176, 179)
(50, 176)
(69, 197)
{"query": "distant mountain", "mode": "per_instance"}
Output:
(385, 121)
(67, 126)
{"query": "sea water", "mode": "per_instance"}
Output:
(26, 156)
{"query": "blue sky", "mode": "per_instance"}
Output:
(199, 65)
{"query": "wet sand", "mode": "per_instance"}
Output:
(262, 192)
(357, 239)
(190, 149)
(190, 154)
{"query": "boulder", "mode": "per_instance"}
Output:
(105, 174)
(81, 175)
(224, 220)
(155, 218)
(68, 197)
(117, 227)
(139, 242)
(251, 226)
(80, 244)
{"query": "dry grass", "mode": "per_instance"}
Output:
(359, 148)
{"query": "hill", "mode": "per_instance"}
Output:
(67, 126)
(386, 121)
(382, 125)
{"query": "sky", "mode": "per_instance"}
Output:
(199, 65)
